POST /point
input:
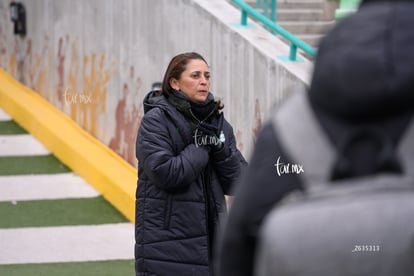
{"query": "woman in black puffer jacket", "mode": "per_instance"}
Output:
(187, 162)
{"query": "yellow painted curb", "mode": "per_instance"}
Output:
(101, 167)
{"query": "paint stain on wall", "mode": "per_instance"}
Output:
(3, 44)
(34, 66)
(13, 64)
(257, 119)
(31, 65)
(239, 139)
(73, 78)
(92, 100)
(128, 118)
(42, 64)
(28, 64)
(60, 67)
(6, 33)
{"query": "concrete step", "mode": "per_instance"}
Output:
(4, 116)
(311, 39)
(307, 27)
(47, 186)
(77, 243)
(299, 15)
(299, 4)
(293, 4)
(21, 145)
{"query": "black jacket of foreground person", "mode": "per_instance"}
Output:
(363, 77)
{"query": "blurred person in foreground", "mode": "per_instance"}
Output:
(363, 79)
(187, 162)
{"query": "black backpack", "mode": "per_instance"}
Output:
(357, 226)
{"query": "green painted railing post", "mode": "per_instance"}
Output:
(346, 7)
(292, 52)
(274, 7)
(244, 18)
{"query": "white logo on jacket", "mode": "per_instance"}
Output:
(206, 140)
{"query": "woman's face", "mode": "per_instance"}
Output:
(194, 82)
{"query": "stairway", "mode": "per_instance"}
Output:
(309, 20)
(51, 221)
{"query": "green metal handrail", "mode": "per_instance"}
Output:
(295, 42)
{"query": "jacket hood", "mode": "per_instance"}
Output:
(365, 67)
(155, 99)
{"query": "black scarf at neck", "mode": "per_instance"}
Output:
(194, 111)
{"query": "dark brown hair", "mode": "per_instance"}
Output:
(176, 67)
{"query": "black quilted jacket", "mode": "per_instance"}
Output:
(180, 193)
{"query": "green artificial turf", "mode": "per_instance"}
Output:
(38, 164)
(38, 213)
(10, 127)
(101, 268)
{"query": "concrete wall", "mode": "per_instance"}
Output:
(96, 60)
